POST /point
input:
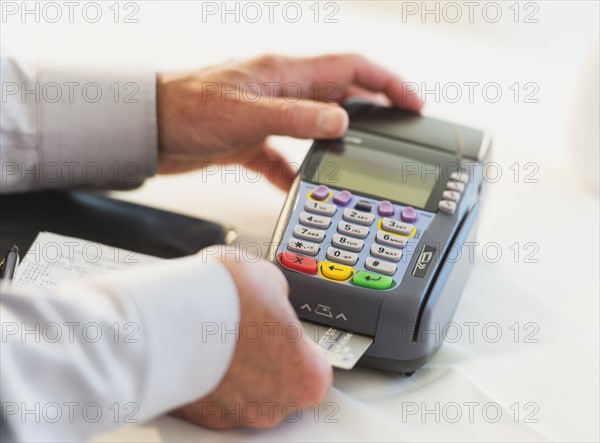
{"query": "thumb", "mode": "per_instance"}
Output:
(302, 119)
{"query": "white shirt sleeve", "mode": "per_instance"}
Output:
(118, 349)
(64, 126)
(114, 350)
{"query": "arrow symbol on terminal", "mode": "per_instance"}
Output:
(333, 268)
(341, 316)
(306, 306)
(369, 278)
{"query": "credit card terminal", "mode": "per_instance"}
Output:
(372, 233)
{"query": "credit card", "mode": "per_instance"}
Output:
(342, 348)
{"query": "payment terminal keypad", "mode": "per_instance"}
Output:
(351, 239)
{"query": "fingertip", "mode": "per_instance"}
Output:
(332, 122)
(405, 95)
(414, 103)
(410, 103)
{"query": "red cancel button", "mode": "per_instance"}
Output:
(298, 263)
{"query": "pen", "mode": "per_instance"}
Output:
(10, 266)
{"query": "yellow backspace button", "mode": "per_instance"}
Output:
(335, 271)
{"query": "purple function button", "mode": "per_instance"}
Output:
(409, 215)
(320, 192)
(342, 198)
(386, 208)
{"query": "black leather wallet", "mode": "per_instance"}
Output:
(112, 222)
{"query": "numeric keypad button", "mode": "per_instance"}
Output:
(384, 267)
(349, 243)
(315, 221)
(340, 256)
(362, 218)
(397, 227)
(315, 235)
(303, 247)
(391, 254)
(391, 240)
(353, 230)
(320, 208)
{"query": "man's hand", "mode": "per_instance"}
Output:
(224, 113)
(275, 369)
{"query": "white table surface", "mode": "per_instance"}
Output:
(554, 380)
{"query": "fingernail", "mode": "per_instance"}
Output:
(332, 121)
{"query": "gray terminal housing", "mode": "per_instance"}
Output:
(409, 322)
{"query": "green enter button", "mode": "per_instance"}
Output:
(373, 281)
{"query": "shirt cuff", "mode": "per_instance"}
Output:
(189, 310)
(97, 127)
